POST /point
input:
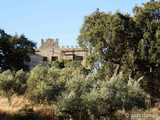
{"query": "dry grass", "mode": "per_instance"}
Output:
(44, 112)
(8, 112)
(17, 102)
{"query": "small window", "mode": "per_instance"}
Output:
(44, 58)
(54, 58)
(78, 58)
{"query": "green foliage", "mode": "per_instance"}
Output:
(68, 66)
(147, 18)
(40, 92)
(71, 102)
(13, 51)
(75, 93)
(125, 51)
(132, 43)
(58, 63)
(20, 84)
(148, 52)
(116, 93)
(62, 63)
(43, 84)
(36, 83)
(84, 96)
(13, 82)
(108, 36)
(7, 81)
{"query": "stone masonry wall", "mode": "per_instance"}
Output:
(50, 51)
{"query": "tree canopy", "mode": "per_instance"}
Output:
(120, 42)
(14, 51)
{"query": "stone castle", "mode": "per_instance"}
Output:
(50, 51)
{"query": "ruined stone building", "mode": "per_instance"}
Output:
(50, 51)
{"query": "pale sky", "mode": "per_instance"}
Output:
(62, 19)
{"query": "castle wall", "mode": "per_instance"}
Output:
(50, 51)
(35, 60)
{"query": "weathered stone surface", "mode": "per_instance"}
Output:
(51, 51)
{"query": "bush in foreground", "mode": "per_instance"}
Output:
(86, 97)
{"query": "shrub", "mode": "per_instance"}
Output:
(40, 92)
(37, 74)
(87, 97)
(40, 83)
(20, 85)
(111, 95)
(7, 82)
(72, 102)
(13, 82)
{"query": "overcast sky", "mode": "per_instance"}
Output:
(62, 19)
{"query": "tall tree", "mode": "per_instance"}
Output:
(108, 36)
(14, 51)
(130, 43)
(147, 18)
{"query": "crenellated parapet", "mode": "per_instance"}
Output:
(49, 44)
(53, 43)
(71, 48)
(49, 40)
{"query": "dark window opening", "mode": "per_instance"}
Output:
(44, 58)
(54, 58)
(78, 58)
